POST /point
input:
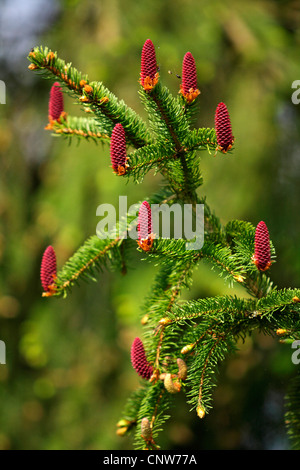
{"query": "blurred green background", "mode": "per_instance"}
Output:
(68, 373)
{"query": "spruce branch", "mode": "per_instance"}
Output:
(154, 407)
(94, 95)
(169, 283)
(149, 157)
(93, 255)
(222, 257)
(166, 117)
(81, 128)
(131, 410)
(203, 371)
(99, 252)
(201, 139)
(184, 341)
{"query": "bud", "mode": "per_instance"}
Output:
(146, 429)
(145, 319)
(165, 321)
(296, 299)
(262, 251)
(122, 431)
(286, 341)
(84, 99)
(200, 411)
(281, 332)
(188, 87)
(33, 67)
(239, 278)
(148, 75)
(48, 270)
(123, 422)
(118, 154)
(171, 387)
(225, 138)
(186, 349)
(56, 105)
(182, 369)
(144, 227)
(139, 360)
(88, 89)
(82, 83)
(50, 57)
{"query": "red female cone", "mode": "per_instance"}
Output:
(118, 154)
(262, 250)
(56, 105)
(148, 74)
(225, 138)
(188, 87)
(145, 231)
(48, 271)
(139, 360)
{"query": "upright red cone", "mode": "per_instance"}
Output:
(188, 87)
(118, 154)
(56, 105)
(225, 138)
(139, 360)
(48, 270)
(145, 230)
(148, 74)
(262, 250)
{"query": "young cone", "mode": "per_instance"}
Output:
(48, 271)
(262, 250)
(139, 360)
(56, 105)
(170, 386)
(200, 411)
(145, 235)
(182, 369)
(225, 138)
(118, 154)
(188, 87)
(148, 74)
(146, 429)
